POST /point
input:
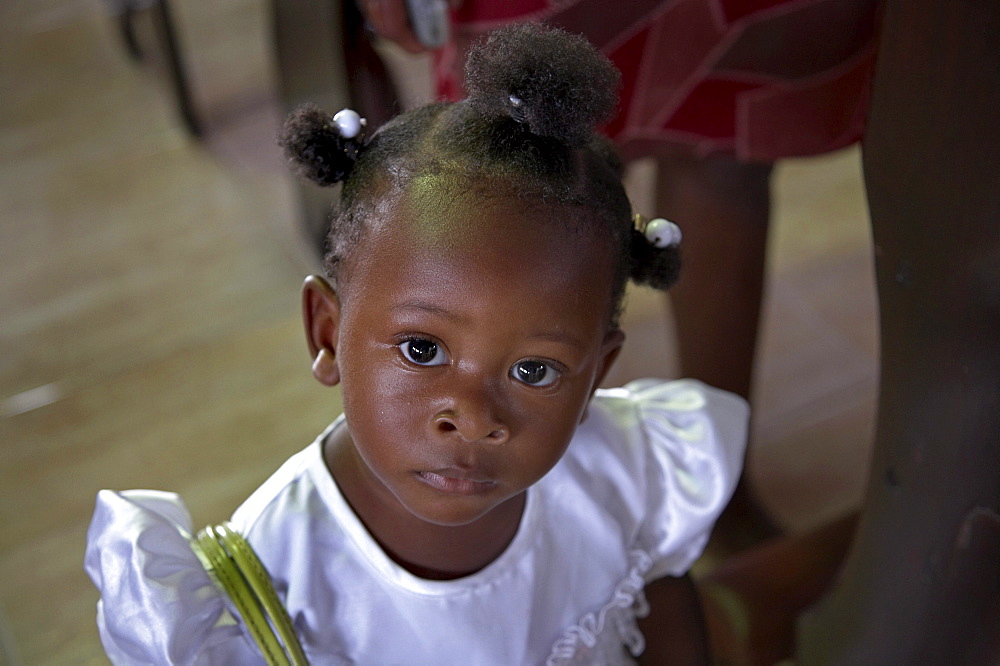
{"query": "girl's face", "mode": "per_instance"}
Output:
(469, 337)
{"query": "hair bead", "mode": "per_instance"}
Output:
(662, 233)
(349, 123)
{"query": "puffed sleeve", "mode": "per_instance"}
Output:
(696, 436)
(157, 606)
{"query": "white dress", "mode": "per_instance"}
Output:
(633, 499)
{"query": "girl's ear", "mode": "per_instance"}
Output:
(321, 317)
(609, 352)
(613, 342)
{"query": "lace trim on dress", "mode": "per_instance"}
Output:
(619, 614)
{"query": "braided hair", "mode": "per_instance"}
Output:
(527, 129)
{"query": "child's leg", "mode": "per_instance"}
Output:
(723, 208)
(674, 630)
(753, 600)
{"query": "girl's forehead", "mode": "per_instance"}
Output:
(442, 230)
(498, 252)
(481, 229)
(450, 210)
(481, 261)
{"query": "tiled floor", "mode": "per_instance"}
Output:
(149, 331)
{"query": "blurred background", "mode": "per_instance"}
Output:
(149, 307)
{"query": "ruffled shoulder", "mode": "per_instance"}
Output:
(158, 605)
(695, 441)
(599, 636)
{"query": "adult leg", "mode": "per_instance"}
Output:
(723, 208)
(922, 582)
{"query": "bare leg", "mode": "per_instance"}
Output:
(753, 600)
(723, 208)
(675, 629)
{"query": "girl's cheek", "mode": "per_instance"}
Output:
(391, 382)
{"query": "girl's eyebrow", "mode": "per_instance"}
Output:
(423, 306)
(560, 337)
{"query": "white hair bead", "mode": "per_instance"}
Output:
(663, 233)
(348, 123)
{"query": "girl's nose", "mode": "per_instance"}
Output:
(472, 415)
(471, 427)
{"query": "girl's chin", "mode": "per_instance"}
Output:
(451, 516)
(458, 510)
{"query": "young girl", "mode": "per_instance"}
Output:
(480, 501)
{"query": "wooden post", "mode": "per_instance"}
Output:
(922, 581)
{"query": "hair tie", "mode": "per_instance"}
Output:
(660, 232)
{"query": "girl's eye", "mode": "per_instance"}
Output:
(423, 352)
(534, 373)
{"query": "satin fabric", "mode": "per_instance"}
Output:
(633, 499)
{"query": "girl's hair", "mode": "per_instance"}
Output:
(526, 130)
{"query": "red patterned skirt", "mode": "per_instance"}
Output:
(754, 79)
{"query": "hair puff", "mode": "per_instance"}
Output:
(555, 84)
(315, 148)
(653, 266)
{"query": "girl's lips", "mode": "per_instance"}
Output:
(455, 482)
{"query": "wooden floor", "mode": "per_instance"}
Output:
(149, 332)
